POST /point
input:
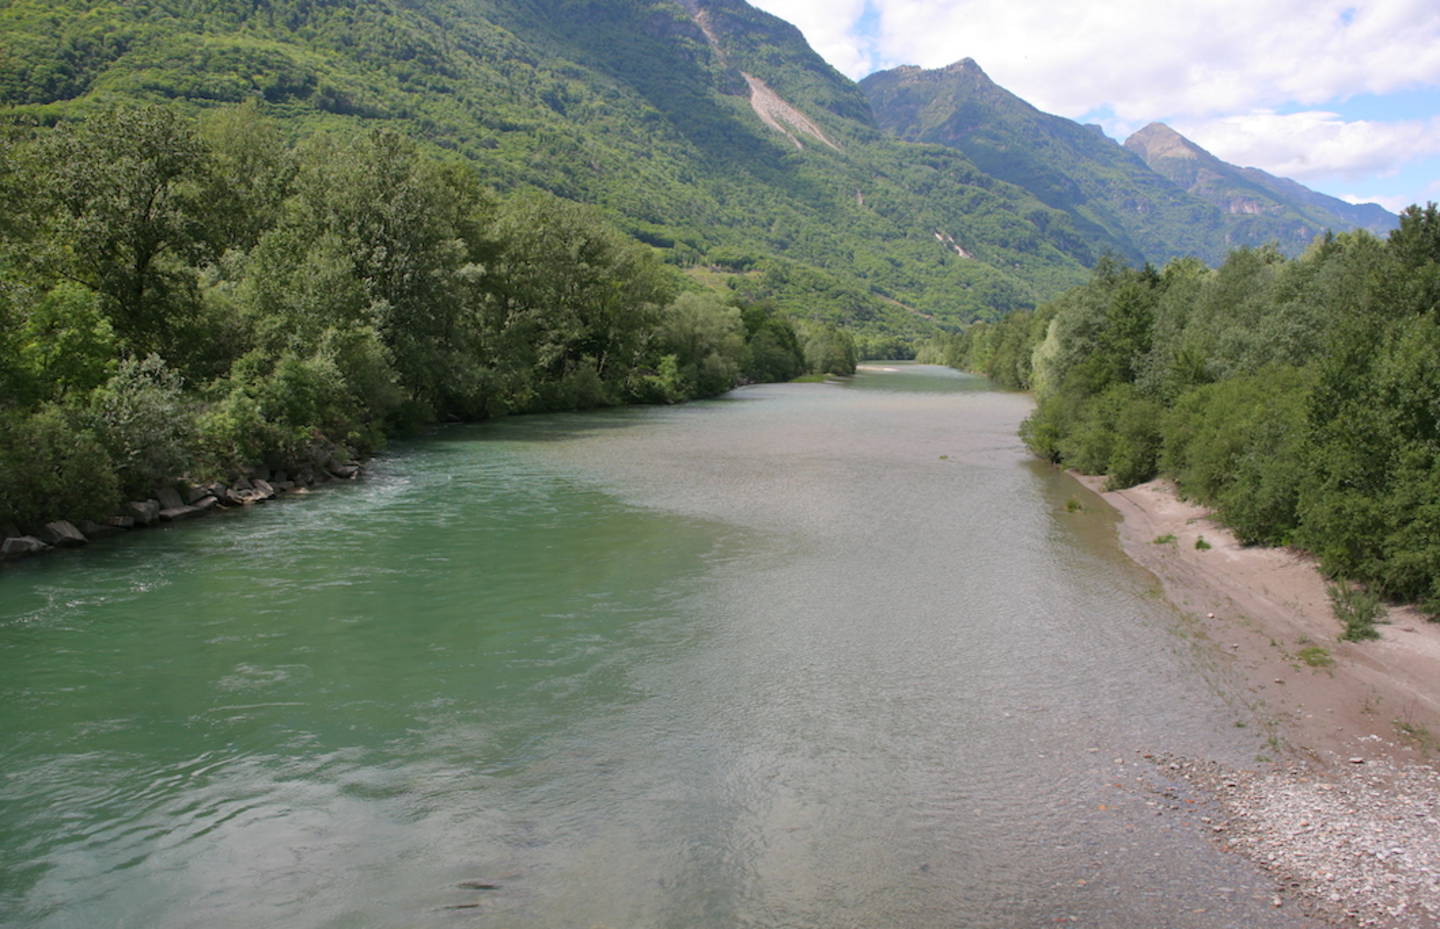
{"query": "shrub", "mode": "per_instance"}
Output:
(50, 468)
(144, 422)
(1358, 610)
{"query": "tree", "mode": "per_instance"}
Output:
(124, 218)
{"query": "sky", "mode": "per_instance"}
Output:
(1340, 95)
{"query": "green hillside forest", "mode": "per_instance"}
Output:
(1298, 397)
(202, 299)
(640, 107)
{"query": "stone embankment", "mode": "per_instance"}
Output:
(169, 504)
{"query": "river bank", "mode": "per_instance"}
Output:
(174, 503)
(1345, 818)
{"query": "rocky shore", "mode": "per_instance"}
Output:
(169, 504)
(1344, 809)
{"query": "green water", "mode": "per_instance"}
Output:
(809, 655)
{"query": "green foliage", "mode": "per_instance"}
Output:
(143, 420)
(772, 346)
(1298, 398)
(121, 215)
(51, 466)
(1358, 611)
(66, 345)
(625, 105)
(314, 298)
(829, 350)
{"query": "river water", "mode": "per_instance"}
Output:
(810, 655)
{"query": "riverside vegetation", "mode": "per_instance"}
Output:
(204, 299)
(1295, 396)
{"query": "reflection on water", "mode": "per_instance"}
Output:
(809, 655)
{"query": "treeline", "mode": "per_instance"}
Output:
(203, 299)
(1299, 398)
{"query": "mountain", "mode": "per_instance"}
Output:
(1152, 199)
(706, 128)
(1250, 192)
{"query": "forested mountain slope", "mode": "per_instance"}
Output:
(1256, 202)
(707, 129)
(1156, 198)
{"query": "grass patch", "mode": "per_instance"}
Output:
(1074, 506)
(809, 379)
(1316, 657)
(1201, 545)
(1358, 611)
(1165, 539)
(1417, 735)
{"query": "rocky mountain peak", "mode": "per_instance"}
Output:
(1158, 140)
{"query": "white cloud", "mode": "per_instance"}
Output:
(1144, 58)
(1393, 204)
(829, 27)
(1314, 143)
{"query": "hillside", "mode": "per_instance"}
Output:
(1252, 198)
(707, 129)
(1155, 198)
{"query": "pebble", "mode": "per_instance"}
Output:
(1361, 848)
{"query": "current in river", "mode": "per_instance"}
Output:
(809, 655)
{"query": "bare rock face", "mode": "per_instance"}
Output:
(62, 534)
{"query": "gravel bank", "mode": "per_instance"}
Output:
(1356, 845)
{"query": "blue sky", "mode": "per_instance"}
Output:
(1341, 95)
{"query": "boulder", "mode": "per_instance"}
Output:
(206, 504)
(121, 522)
(169, 498)
(93, 530)
(21, 546)
(346, 472)
(145, 513)
(172, 513)
(263, 487)
(194, 494)
(61, 534)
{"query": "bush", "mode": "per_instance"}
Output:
(1358, 611)
(50, 468)
(145, 423)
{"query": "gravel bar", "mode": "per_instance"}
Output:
(1356, 843)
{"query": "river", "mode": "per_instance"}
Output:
(809, 655)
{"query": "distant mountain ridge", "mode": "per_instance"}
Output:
(1159, 196)
(1249, 191)
(707, 129)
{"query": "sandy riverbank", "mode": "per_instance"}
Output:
(1346, 816)
(1377, 699)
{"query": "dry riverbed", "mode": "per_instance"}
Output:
(1344, 811)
